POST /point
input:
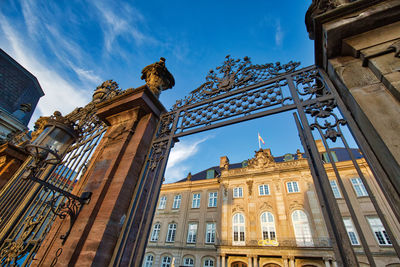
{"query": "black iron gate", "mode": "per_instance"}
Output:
(238, 91)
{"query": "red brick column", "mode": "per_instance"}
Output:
(112, 177)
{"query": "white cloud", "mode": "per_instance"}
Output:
(279, 34)
(179, 159)
(60, 94)
(121, 22)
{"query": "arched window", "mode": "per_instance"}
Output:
(148, 260)
(301, 228)
(268, 226)
(238, 230)
(208, 262)
(188, 262)
(166, 261)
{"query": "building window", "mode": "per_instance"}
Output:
(212, 199)
(171, 233)
(268, 226)
(188, 262)
(238, 226)
(166, 262)
(263, 190)
(208, 263)
(148, 261)
(326, 159)
(292, 187)
(359, 187)
(163, 201)
(379, 231)
(177, 202)
(210, 174)
(238, 192)
(192, 233)
(301, 228)
(335, 189)
(196, 201)
(351, 232)
(156, 232)
(210, 233)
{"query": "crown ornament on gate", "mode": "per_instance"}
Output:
(235, 74)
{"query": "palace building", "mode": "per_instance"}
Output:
(264, 212)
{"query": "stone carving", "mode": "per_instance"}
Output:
(157, 77)
(396, 48)
(250, 186)
(316, 8)
(224, 163)
(295, 205)
(263, 158)
(266, 206)
(237, 208)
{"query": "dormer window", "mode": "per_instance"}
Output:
(326, 159)
(210, 174)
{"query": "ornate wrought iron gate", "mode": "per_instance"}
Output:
(235, 92)
(28, 209)
(239, 91)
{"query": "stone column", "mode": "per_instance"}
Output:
(250, 261)
(113, 178)
(223, 260)
(285, 261)
(327, 262)
(292, 262)
(255, 261)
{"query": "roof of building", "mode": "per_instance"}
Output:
(341, 154)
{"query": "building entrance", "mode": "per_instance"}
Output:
(239, 264)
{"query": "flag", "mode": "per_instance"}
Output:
(260, 139)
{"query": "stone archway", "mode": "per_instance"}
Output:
(239, 264)
(271, 265)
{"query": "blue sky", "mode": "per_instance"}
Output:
(72, 46)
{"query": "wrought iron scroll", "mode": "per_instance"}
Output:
(28, 210)
(232, 75)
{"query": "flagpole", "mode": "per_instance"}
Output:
(259, 144)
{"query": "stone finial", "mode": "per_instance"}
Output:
(299, 155)
(224, 163)
(157, 77)
(189, 176)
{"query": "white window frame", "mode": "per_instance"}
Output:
(268, 230)
(263, 190)
(148, 262)
(196, 200)
(212, 199)
(238, 192)
(335, 189)
(210, 233)
(351, 231)
(292, 187)
(166, 261)
(302, 230)
(208, 262)
(359, 187)
(188, 262)
(192, 233)
(239, 227)
(177, 202)
(379, 231)
(171, 233)
(156, 232)
(162, 203)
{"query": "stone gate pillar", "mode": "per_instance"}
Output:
(113, 177)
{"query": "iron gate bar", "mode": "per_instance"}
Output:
(353, 215)
(326, 211)
(347, 253)
(371, 161)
